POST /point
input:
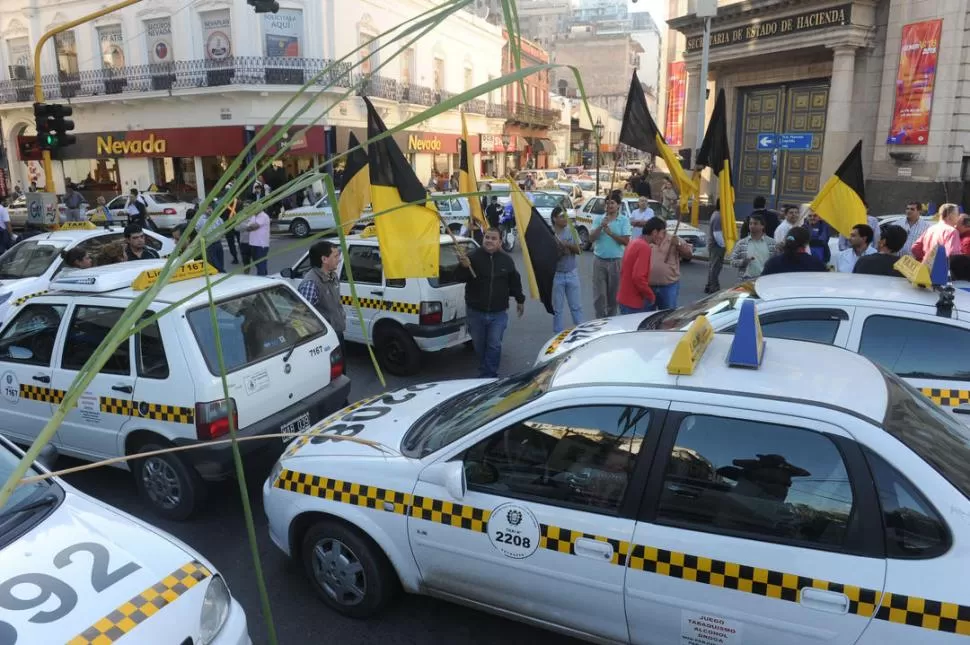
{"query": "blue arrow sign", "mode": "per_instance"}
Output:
(767, 141)
(795, 141)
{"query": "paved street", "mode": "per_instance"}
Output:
(219, 533)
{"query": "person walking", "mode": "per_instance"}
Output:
(565, 284)
(716, 250)
(135, 244)
(487, 294)
(751, 252)
(795, 256)
(819, 233)
(666, 255)
(914, 225)
(635, 294)
(943, 232)
(670, 201)
(494, 211)
(884, 262)
(258, 227)
(72, 204)
(213, 249)
(321, 288)
(610, 235)
(136, 209)
(860, 244)
(640, 216)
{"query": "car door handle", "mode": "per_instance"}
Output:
(377, 293)
(961, 410)
(122, 388)
(41, 378)
(593, 549)
(830, 601)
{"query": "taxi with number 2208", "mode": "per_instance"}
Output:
(663, 489)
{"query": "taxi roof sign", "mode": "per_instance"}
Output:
(188, 271)
(689, 350)
(913, 270)
(748, 346)
(78, 226)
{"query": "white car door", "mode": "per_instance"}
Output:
(544, 526)
(931, 353)
(365, 263)
(758, 527)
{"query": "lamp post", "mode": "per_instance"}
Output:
(598, 131)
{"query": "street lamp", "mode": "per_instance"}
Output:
(598, 130)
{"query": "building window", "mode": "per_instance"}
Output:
(112, 45)
(469, 78)
(283, 34)
(367, 61)
(66, 49)
(439, 74)
(18, 53)
(407, 66)
(217, 34)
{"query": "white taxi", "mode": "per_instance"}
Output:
(75, 570)
(688, 489)
(403, 317)
(162, 387)
(27, 268)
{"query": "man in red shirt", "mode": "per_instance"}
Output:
(635, 294)
(963, 228)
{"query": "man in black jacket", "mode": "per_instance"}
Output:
(769, 216)
(487, 298)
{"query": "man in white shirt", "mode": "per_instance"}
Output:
(914, 225)
(792, 218)
(860, 244)
(7, 237)
(258, 226)
(640, 216)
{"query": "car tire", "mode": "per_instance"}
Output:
(348, 570)
(300, 228)
(396, 350)
(170, 487)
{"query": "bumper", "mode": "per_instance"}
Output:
(278, 516)
(234, 631)
(434, 338)
(216, 463)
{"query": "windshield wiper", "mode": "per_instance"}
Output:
(45, 500)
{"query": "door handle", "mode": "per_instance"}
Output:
(122, 388)
(41, 378)
(377, 293)
(961, 410)
(830, 601)
(593, 549)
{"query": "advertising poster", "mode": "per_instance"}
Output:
(915, 81)
(217, 34)
(282, 33)
(159, 37)
(676, 93)
(112, 47)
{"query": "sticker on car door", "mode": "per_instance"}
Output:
(514, 531)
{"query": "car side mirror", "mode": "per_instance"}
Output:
(450, 475)
(20, 353)
(287, 273)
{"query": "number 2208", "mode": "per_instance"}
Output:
(514, 540)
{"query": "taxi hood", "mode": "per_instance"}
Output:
(93, 560)
(583, 333)
(382, 420)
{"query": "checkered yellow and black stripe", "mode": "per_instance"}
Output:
(21, 300)
(946, 398)
(778, 585)
(384, 305)
(123, 407)
(137, 610)
(554, 344)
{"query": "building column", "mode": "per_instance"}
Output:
(690, 108)
(838, 137)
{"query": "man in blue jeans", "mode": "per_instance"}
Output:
(565, 285)
(487, 294)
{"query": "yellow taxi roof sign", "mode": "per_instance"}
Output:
(691, 347)
(188, 271)
(369, 231)
(78, 226)
(913, 270)
(748, 346)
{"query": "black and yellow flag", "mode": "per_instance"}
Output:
(539, 248)
(714, 154)
(466, 179)
(408, 235)
(640, 131)
(842, 200)
(356, 191)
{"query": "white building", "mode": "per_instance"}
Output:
(170, 96)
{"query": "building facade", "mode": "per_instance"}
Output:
(527, 110)
(169, 98)
(606, 63)
(888, 72)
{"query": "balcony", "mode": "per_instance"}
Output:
(529, 115)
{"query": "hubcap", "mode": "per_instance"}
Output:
(300, 229)
(338, 571)
(394, 352)
(161, 483)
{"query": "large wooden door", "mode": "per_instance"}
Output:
(799, 171)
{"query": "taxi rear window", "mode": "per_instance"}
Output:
(448, 264)
(253, 327)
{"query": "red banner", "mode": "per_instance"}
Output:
(676, 92)
(915, 80)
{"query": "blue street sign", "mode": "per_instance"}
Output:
(767, 141)
(796, 141)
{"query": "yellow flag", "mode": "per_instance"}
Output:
(466, 177)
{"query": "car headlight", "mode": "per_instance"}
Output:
(5, 297)
(215, 609)
(275, 473)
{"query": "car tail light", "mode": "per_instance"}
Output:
(431, 313)
(170, 211)
(212, 419)
(336, 363)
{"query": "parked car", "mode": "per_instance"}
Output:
(18, 211)
(573, 190)
(165, 209)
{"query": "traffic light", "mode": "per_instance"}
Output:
(264, 6)
(53, 126)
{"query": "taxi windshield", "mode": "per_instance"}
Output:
(940, 440)
(468, 411)
(26, 496)
(722, 301)
(29, 259)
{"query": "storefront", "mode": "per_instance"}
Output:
(428, 152)
(532, 145)
(495, 150)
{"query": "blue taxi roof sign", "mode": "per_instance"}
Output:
(748, 346)
(687, 354)
(939, 267)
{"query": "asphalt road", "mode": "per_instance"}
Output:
(219, 531)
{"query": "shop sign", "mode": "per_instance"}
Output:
(217, 34)
(493, 143)
(158, 33)
(776, 27)
(150, 145)
(417, 143)
(282, 32)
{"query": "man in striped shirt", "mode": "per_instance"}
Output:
(914, 225)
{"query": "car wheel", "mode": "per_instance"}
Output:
(347, 570)
(584, 242)
(172, 488)
(397, 351)
(300, 228)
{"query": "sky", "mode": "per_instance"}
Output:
(657, 8)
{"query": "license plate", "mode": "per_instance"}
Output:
(297, 425)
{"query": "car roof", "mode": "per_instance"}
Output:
(850, 286)
(77, 235)
(789, 368)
